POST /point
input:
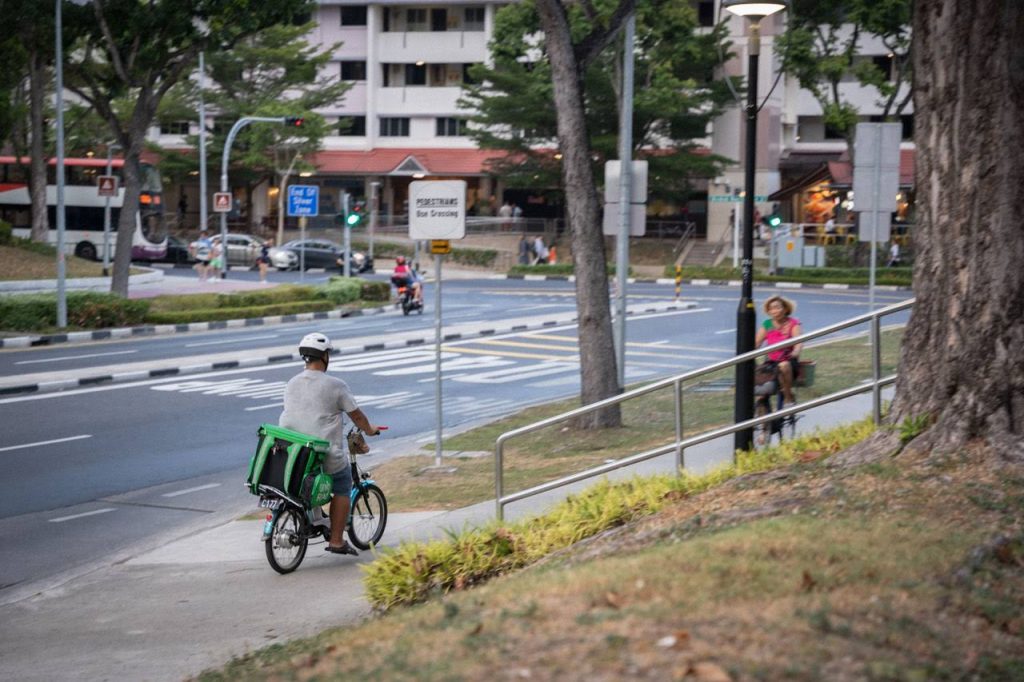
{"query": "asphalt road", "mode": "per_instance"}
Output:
(93, 471)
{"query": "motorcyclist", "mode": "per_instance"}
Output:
(403, 275)
(315, 403)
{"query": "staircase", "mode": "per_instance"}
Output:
(701, 252)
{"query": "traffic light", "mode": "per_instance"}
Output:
(773, 221)
(355, 216)
(294, 121)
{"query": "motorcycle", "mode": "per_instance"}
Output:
(406, 296)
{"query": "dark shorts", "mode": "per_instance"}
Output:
(342, 481)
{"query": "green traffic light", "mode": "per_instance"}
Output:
(774, 220)
(353, 219)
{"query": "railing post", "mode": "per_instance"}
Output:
(876, 368)
(499, 484)
(680, 461)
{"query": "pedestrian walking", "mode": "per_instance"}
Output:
(202, 250)
(540, 252)
(524, 250)
(894, 254)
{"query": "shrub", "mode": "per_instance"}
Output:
(375, 291)
(480, 257)
(217, 314)
(281, 294)
(556, 269)
(85, 310)
(5, 233)
(339, 290)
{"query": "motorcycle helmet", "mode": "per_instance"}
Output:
(315, 346)
(400, 260)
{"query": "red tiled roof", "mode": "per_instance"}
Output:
(842, 171)
(384, 161)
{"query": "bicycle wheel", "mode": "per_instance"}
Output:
(286, 546)
(368, 517)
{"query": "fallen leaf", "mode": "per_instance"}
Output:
(477, 629)
(811, 455)
(808, 583)
(613, 600)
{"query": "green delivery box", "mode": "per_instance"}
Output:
(289, 461)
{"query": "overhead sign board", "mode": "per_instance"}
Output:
(106, 185)
(303, 200)
(222, 202)
(437, 209)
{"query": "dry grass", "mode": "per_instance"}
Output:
(882, 572)
(21, 264)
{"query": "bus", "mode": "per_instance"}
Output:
(83, 221)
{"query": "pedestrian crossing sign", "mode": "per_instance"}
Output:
(106, 185)
(222, 202)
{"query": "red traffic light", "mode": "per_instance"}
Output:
(293, 121)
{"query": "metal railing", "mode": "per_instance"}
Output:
(679, 446)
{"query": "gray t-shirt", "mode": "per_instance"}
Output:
(315, 403)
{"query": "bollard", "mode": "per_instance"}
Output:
(679, 280)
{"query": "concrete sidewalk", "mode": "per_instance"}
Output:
(192, 602)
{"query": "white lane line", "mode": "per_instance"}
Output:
(45, 442)
(726, 331)
(186, 491)
(216, 343)
(62, 519)
(263, 407)
(75, 357)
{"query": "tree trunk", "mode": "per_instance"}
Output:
(962, 361)
(37, 80)
(598, 375)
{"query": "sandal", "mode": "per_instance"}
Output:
(344, 549)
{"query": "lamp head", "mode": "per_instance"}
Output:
(754, 9)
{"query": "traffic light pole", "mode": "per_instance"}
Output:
(345, 199)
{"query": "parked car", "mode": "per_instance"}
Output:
(243, 249)
(177, 253)
(319, 253)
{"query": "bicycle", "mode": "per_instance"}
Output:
(292, 524)
(768, 397)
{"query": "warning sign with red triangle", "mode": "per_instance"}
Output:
(107, 185)
(222, 202)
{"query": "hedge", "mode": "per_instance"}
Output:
(561, 269)
(87, 310)
(217, 314)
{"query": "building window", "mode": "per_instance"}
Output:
(439, 19)
(352, 126)
(884, 64)
(705, 12)
(451, 127)
(394, 127)
(415, 20)
(415, 74)
(473, 19)
(353, 71)
(174, 128)
(353, 15)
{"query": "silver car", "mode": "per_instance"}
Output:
(243, 249)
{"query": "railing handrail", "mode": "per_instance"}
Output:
(677, 380)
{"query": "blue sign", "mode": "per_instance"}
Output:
(303, 200)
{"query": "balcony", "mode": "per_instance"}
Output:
(422, 100)
(432, 46)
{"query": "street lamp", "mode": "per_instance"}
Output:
(746, 318)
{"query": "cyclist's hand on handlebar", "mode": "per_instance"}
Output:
(377, 430)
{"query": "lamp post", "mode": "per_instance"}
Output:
(746, 318)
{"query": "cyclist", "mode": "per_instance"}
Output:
(780, 326)
(403, 275)
(315, 403)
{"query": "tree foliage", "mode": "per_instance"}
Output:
(138, 51)
(822, 48)
(675, 97)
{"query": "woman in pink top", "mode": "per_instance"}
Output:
(780, 326)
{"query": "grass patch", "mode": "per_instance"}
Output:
(883, 276)
(851, 577)
(648, 423)
(28, 260)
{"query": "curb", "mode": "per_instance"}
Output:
(257, 361)
(712, 282)
(43, 286)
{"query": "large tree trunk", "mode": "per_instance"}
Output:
(37, 81)
(962, 362)
(598, 375)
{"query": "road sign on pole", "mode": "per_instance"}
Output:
(303, 200)
(441, 246)
(437, 209)
(106, 185)
(222, 202)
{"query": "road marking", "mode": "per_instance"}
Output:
(94, 512)
(186, 491)
(76, 357)
(217, 343)
(45, 442)
(512, 354)
(726, 331)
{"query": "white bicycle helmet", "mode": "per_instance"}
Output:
(315, 346)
